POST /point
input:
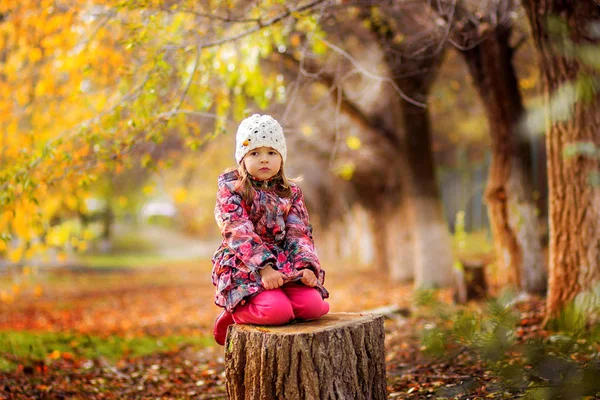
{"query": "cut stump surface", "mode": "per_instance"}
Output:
(339, 356)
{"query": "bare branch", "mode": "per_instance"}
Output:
(170, 113)
(228, 19)
(448, 27)
(257, 28)
(345, 104)
(372, 75)
(190, 79)
(300, 69)
(106, 18)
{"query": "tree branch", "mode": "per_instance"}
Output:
(257, 28)
(373, 76)
(344, 103)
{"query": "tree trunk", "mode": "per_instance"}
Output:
(431, 237)
(339, 356)
(574, 202)
(394, 241)
(511, 206)
(413, 66)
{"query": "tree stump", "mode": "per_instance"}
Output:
(471, 284)
(339, 356)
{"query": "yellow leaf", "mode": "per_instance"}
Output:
(54, 355)
(21, 224)
(37, 291)
(346, 171)
(180, 195)
(146, 160)
(527, 83)
(319, 47)
(353, 142)
(88, 234)
(61, 257)
(6, 297)
(71, 202)
(82, 247)
(148, 190)
(398, 39)
(306, 130)
(295, 40)
(15, 255)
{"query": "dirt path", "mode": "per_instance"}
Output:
(170, 243)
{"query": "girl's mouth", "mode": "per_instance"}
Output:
(264, 169)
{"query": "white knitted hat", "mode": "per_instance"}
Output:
(258, 131)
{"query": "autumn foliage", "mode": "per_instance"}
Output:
(89, 90)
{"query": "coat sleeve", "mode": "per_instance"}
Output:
(299, 242)
(238, 231)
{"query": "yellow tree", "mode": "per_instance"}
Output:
(89, 87)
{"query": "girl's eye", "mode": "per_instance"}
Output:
(254, 153)
(271, 153)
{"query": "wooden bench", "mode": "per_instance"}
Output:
(339, 356)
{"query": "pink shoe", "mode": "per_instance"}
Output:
(221, 324)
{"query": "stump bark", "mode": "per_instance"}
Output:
(339, 356)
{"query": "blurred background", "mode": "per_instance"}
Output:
(418, 129)
(122, 132)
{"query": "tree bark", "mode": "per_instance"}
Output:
(339, 356)
(574, 203)
(511, 207)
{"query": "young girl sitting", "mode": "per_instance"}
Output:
(266, 271)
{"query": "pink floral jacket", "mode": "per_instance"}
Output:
(270, 229)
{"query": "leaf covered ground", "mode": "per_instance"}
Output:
(145, 333)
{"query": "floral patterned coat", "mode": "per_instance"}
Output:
(270, 229)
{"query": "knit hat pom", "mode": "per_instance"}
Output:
(259, 131)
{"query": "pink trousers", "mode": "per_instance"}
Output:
(280, 306)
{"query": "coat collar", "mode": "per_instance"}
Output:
(266, 184)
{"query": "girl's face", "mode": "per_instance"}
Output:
(262, 163)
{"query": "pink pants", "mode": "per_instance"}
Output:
(280, 306)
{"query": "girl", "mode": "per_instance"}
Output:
(266, 270)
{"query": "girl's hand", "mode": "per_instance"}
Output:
(271, 279)
(309, 278)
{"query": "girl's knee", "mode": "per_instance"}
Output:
(311, 308)
(271, 307)
(278, 313)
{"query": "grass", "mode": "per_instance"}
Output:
(472, 244)
(36, 346)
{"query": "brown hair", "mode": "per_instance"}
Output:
(246, 189)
